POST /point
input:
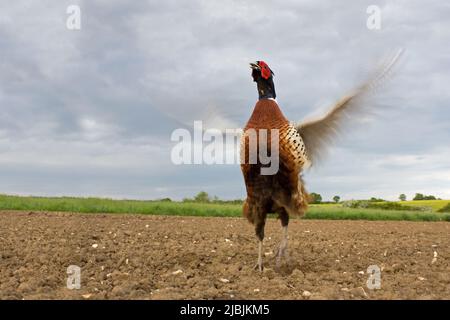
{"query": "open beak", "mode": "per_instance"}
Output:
(254, 66)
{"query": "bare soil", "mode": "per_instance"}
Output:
(163, 257)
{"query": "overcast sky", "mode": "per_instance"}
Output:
(90, 112)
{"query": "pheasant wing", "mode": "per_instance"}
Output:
(319, 133)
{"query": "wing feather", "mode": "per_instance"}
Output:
(319, 133)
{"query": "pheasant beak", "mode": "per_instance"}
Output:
(255, 66)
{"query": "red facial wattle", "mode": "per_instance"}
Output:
(265, 70)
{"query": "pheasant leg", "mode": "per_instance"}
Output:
(282, 249)
(259, 264)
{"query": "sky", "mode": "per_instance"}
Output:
(90, 112)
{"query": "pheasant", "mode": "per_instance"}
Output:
(299, 145)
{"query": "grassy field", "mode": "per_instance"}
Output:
(97, 205)
(434, 204)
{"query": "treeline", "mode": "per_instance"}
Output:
(314, 198)
(204, 197)
(420, 196)
(317, 198)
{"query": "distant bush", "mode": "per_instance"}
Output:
(204, 197)
(355, 204)
(386, 205)
(397, 206)
(373, 199)
(315, 198)
(420, 196)
(236, 201)
(445, 209)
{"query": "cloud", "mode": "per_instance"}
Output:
(90, 112)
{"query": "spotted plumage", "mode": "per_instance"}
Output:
(282, 193)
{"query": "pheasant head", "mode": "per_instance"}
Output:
(263, 76)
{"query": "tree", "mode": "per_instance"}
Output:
(418, 196)
(402, 197)
(315, 198)
(336, 199)
(202, 196)
(373, 199)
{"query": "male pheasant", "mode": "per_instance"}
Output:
(283, 192)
